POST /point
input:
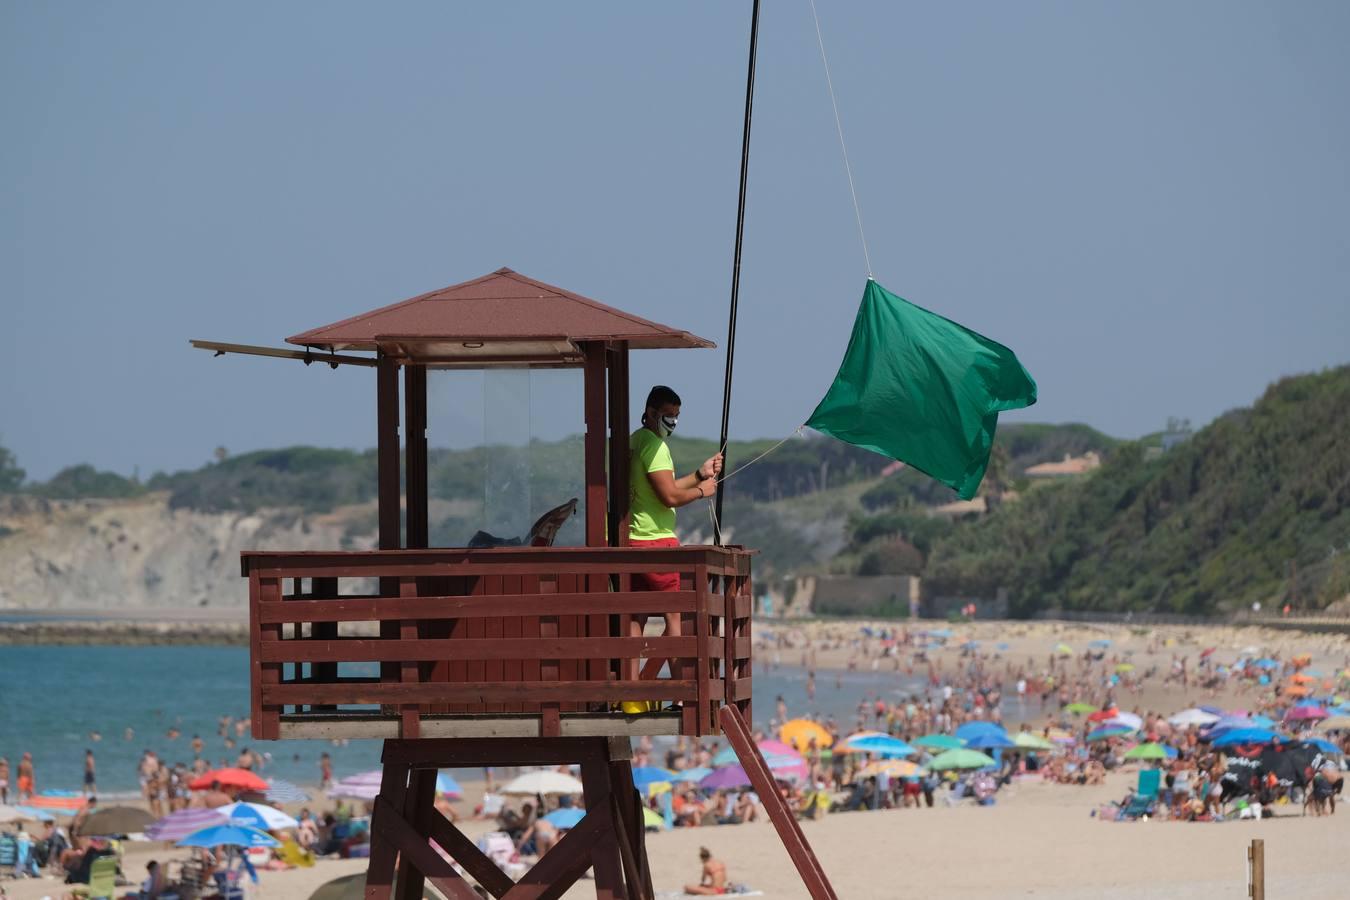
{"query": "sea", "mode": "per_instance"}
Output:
(57, 701)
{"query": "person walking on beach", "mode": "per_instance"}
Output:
(656, 492)
(4, 779)
(90, 787)
(713, 879)
(325, 771)
(27, 781)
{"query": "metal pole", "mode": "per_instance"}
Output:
(1256, 870)
(736, 262)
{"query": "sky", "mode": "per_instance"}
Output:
(1148, 201)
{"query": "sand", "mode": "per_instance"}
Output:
(1039, 840)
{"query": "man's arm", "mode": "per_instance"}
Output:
(675, 493)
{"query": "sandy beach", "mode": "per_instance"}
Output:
(1039, 839)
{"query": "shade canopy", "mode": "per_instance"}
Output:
(501, 319)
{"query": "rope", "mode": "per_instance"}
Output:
(839, 126)
(713, 517)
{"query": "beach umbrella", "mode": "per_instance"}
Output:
(691, 776)
(353, 887)
(939, 742)
(990, 740)
(1078, 709)
(1188, 717)
(241, 779)
(881, 744)
(1125, 667)
(1104, 715)
(960, 759)
(545, 781)
(1001, 646)
(1302, 678)
(646, 776)
(1246, 736)
(1064, 650)
(943, 633)
(115, 820)
(566, 817)
(1126, 720)
(770, 747)
(893, 768)
(846, 745)
(1306, 714)
(228, 836)
(1207, 652)
(1099, 644)
(1060, 736)
(1335, 723)
(256, 815)
(1147, 751)
(1025, 740)
(1102, 734)
(1297, 690)
(447, 785)
(1324, 745)
(725, 777)
(180, 824)
(799, 732)
(1266, 663)
(279, 791)
(23, 814)
(652, 819)
(347, 790)
(971, 729)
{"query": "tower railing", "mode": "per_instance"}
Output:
(506, 642)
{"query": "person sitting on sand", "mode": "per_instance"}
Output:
(155, 882)
(538, 839)
(713, 879)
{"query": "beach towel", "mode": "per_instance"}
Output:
(678, 895)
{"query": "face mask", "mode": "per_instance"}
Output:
(666, 425)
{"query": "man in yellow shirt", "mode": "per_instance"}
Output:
(656, 493)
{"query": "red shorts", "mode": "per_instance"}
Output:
(656, 581)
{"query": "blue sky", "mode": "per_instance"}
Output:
(1149, 202)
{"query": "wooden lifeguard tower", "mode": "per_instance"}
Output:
(505, 656)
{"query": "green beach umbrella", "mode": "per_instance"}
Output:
(1147, 751)
(652, 819)
(1079, 708)
(960, 759)
(939, 742)
(1025, 740)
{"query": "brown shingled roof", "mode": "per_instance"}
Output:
(502, 318)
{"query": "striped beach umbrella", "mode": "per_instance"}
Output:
(178, 825)
(279, 791)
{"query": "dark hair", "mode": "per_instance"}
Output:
(658, 397)
(704, 853)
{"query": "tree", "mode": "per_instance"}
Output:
(11, 476)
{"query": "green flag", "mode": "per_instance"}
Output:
(922, 389)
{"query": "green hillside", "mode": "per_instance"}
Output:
(1216, 523)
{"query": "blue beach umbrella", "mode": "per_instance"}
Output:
(1324, 745)
(1100, 643)
(1267, 663)
(448, 786)
(881, 744)
(564, 818)
(691, 776)
(940, 742)
(645, 776)
(1102, 734)
(971, 729)
(990, 740)
(1246, 736)
(228, 836)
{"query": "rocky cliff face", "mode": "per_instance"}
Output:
(128, 555)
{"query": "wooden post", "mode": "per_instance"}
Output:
(594, 391)
(390, 515)
(415, 454)
(1256, 870)
(619, 428)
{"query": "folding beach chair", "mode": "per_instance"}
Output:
(1145, 795)
(102, 880)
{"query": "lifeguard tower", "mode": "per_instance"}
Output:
(510, 655)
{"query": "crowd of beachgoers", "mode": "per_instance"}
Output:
(1214, 733)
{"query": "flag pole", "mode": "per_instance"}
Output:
(736, 266)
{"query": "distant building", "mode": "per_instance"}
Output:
(960, 509)
(1068, 467)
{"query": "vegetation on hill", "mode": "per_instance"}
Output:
(1216, 523)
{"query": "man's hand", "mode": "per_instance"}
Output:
(711, 468)
(707, 487)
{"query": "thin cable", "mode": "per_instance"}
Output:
(713, 518)
(839, 126)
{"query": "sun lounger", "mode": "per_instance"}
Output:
(102, 880)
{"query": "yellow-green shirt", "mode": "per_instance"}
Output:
(650, 518)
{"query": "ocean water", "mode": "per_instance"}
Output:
(53, 697)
